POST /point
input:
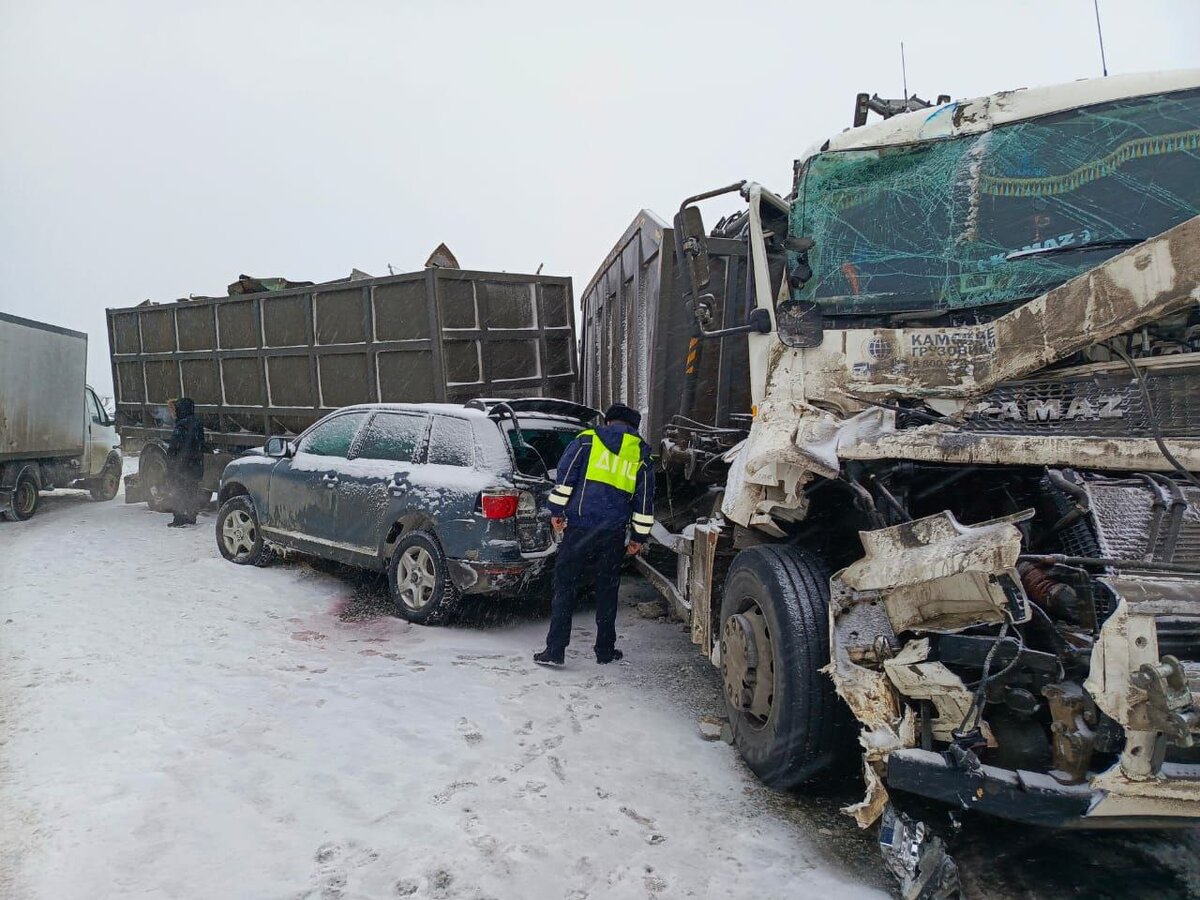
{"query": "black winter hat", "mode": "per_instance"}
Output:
(619, 412)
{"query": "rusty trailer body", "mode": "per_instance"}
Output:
(274, 362)
(637, 333)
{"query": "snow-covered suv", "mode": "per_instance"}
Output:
(446, 499)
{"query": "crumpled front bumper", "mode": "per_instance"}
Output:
(1032, 798)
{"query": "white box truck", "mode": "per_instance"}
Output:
(54, 433)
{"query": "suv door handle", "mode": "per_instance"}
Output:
(331, 481)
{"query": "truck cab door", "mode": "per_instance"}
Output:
(302, 494)
(378, 488)
(99, 435)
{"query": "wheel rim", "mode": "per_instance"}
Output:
(26, 498)
(156, 482)
(239, 534)
(748, 664)
(416, 578)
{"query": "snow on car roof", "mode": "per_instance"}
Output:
(440, 409)
(979, 114)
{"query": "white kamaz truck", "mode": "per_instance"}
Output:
(929, 428)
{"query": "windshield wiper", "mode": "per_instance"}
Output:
(1111, 244)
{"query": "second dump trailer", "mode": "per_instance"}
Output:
(273, 362)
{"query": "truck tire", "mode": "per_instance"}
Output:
(25, 498)
(419, 581)
(239, 537)
(152, 475)
(107, 484)
(785, 716)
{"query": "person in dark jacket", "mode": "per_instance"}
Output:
(604, 490)
(185, 462)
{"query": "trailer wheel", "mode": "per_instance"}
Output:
(419, 581)
(239, 537)
(25, 497)
(784, 713)
(152, 473)
(107, 484)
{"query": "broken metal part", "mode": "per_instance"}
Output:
(1073, 739)
(971, 650)
(1164, 702)
(917, 858)
(935, 574)
(916, 678)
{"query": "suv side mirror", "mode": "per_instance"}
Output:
(278, 448)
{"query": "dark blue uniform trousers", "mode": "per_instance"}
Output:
(586, 556)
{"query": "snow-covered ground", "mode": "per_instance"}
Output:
(172, 725)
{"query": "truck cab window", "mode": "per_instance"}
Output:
(333, 437)
(393, 436)
(93, 407)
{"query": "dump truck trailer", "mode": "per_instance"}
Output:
(271, 362)
(929, 429)
(54, 432)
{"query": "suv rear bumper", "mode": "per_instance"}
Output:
(502, 579)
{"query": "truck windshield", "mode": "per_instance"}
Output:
(956, 223)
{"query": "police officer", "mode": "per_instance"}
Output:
(605, 487)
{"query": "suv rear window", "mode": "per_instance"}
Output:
(453, 442)
(539, 442)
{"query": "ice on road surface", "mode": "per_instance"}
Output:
(175, 726)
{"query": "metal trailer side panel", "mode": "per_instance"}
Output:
(637, 331)
(43, 369)
(275, 362)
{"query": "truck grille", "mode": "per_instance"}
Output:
(1107, 405)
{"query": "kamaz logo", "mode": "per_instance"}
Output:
(1109, 406)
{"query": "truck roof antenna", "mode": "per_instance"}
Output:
(1100, 34)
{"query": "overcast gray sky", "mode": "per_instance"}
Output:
(157, 149)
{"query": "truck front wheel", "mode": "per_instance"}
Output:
(107, 484)
(783, 711)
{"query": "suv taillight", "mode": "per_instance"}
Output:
(499, 504)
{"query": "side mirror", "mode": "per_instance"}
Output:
(758, 322)
(278, 448)
(691, 248)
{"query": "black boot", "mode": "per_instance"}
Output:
(611, 656)
(546, 658)
(177, 522)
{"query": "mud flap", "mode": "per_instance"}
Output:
(134, 493)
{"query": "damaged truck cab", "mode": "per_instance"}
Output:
(959, 490)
